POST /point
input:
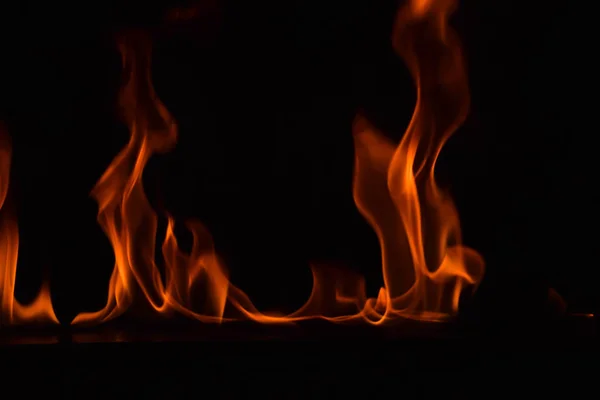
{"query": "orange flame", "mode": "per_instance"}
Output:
(126, 215)
(424, 264)
(12, 311)
(425, 267)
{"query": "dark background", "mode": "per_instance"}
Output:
(264, 95)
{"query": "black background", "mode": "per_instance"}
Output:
(264, 95)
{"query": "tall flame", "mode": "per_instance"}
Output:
(129, 221)
(12, 311)
(425, 267)
(424, 264)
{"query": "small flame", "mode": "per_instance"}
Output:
(425, 267)
(12, 312)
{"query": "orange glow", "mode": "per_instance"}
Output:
(425, 267)
(191, 12)
(12, 312)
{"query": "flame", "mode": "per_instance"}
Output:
(129, 221)
(425, 267)
(11, 310)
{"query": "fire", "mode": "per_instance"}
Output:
(11, 310)
(425, 266)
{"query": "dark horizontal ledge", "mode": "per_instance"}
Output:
(558, 330)
(411, 359)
